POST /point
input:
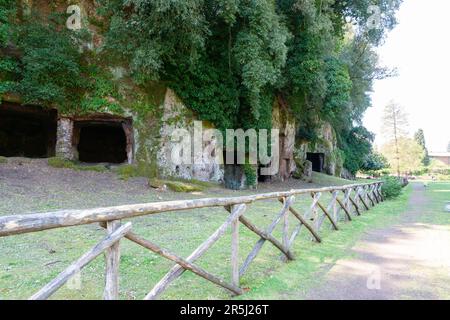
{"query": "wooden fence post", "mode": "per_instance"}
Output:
(368, 195)
(335, 206)
(362, 196)
(286, 228)
(235, 252)
(380, 185)
(315, 210)
(355, 201)
(112, 261)
(347, 195)
(374, 194)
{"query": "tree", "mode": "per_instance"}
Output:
(223, 58)
(395, 124)
(419, 136)
(356, 145)
(375, 161)
(405, 153)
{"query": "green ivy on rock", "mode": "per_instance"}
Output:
(227, 60)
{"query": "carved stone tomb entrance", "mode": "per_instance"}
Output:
(318, 161)
(99, 141)
(27, 131)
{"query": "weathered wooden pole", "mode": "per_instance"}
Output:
(112, 261)
(235, 253)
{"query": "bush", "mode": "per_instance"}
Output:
(3, 160)
(250, 175)
(391, 188)
(61, 163)
(127, 171)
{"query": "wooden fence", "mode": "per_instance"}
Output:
(346, 203)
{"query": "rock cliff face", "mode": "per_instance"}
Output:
(151, 117)
(325, 148)
(285, 123)
(181, 128)
(148, 116)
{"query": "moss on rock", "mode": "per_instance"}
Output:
(179, 185)
(61, 163)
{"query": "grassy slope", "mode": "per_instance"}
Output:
(27, 262)
(437, 217)
(324, 179)
(439, 194)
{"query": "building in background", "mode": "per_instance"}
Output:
(443, 157)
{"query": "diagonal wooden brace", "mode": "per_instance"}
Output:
(305, 223)
(177, 270)
(252, 255)
(185, 264)
(364, 202)
(76, 267)
(356, 206)
(266, 236)
(327, 214)
(349, 216)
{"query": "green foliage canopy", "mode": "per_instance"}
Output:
(419, 136)
(374, 162)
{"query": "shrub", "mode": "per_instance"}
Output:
(127, 171)
(61, 163)
(3, 160)
(391, 188)
(250, 175)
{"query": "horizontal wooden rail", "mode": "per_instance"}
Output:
(26, 223)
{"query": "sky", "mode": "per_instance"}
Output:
(419, 47)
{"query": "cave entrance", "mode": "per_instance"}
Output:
(317, 159)
(27, 131)
(102, 141)
(262, 177)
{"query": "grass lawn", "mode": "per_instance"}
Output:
(439, 195)
(28, 262)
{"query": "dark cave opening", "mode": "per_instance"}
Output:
(101, 142)
(317, 159)
(27, 131)
(263, 178)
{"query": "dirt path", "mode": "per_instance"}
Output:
(410, 260)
